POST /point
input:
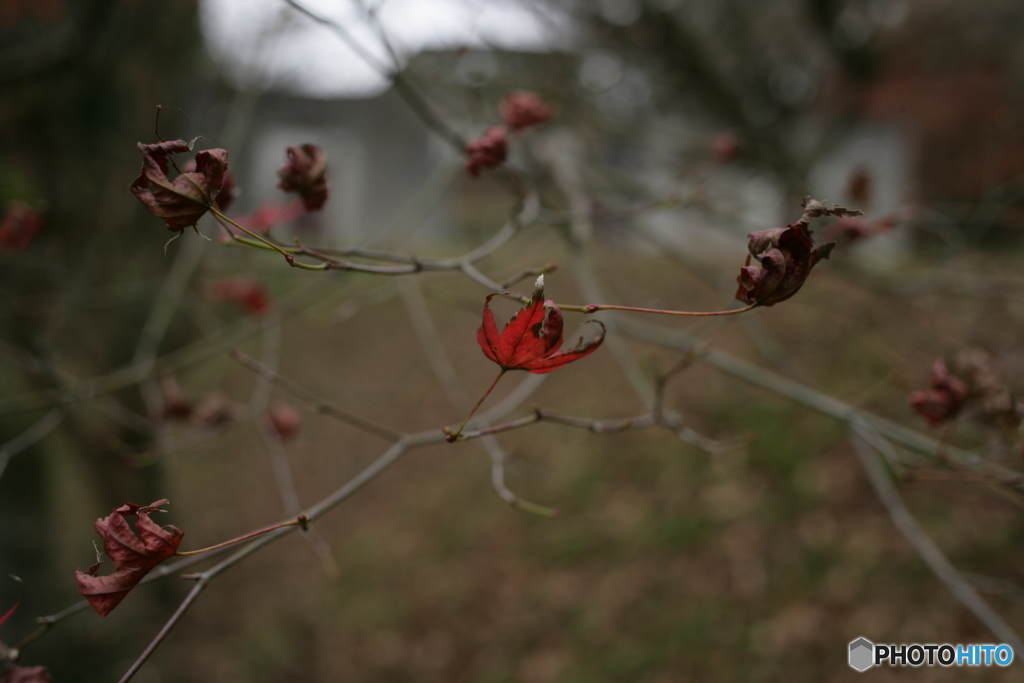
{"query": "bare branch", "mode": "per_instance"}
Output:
(155, 643)
(925, 547)
(817, 400)
(315, 402)
(46, 424)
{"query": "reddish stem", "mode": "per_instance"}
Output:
(455, 435)
(594, 308)
(301, 520)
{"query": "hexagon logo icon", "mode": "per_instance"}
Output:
(862, 653)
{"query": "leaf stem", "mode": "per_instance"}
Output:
(288, 257)
(453, 436)
(594, 308)
(301, 520)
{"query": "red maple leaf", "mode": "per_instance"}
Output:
(134, 555)
(531, 339)
(529, 342)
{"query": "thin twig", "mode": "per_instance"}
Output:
(133, 373)
(301, 520)
(258, 408)
(926, 549)
(46, 424)
(446, 374)
(155, 643)
(314, 401)
(454, 436)
(161, 314)
(817, 400)
(259, 404)
(412, 98)
(562, 156)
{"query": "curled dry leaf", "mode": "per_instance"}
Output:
(784, 258)
(944, 399)
(27, 674)
(488, 151)
(228, 188)
(531, 339)
(134, 555)
(305, 174)
(991, 396)
(814, 208)
(19, 227)
(521, 109)
(183, 201)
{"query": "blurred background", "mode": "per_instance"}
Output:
(745, 543)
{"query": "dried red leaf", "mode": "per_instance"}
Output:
(991, 397)
(27, 674)
(283, 419)
(228, 188)
(134, 555)
(248, 293)
(305, 174)
(488, 151)
(944, 399)
(530, 340)
(785, 256)
(183, 201)
(521, 109)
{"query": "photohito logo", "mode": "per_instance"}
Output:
(864, 654)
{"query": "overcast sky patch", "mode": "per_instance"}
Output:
(267, 43)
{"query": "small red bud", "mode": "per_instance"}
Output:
(284, 420)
